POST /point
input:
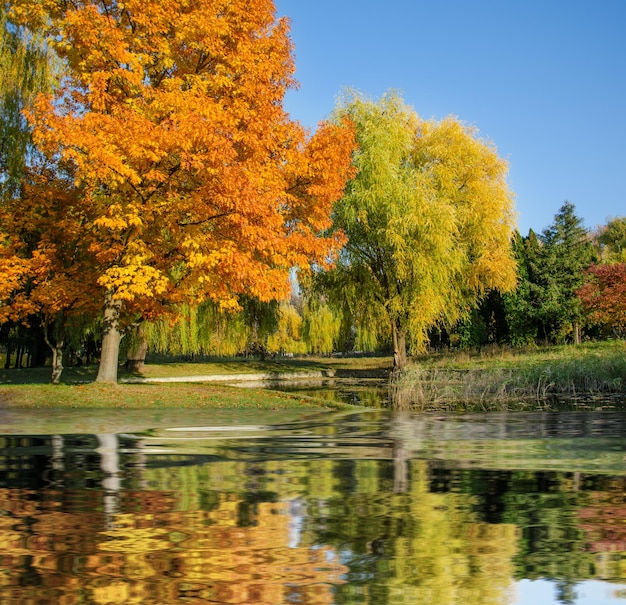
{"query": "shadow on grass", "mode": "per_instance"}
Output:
(43, 375)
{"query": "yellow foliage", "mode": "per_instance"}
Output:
(429, 217)
(134, 280)
(287, 338)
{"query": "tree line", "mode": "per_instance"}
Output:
(571, 286)
(155, 194)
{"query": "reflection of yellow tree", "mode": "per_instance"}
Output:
(446, 556)
(425, 547)
(39, 545)
(194, 537)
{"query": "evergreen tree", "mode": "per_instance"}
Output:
(486, 324)
(566, 253)
(551, 269)
(522, 305)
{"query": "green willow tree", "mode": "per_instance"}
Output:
(321, 326)
(27, 67)
(428, 218)
(205, 329)
(287, 337)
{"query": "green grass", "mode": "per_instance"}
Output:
(504, 378)
(493, 378)
(228, 366)
(30, 388)
(152, 396)
(220, 366)
(495, 356)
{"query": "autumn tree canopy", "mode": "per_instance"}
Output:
(195, 183)
(611, 241)
(604, 296)
(428, 218)
(48, 273)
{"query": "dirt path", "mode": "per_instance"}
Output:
(259, 376)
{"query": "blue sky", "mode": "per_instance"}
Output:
(544, 80)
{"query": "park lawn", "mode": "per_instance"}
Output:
(163, 368)
(30, 388)
(591, 368)
(153, 396)
(356, 364)
(219, 367)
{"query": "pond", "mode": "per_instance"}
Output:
(357, 507)
(362, 391)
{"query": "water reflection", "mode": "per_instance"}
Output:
(368, 508)
(363, 391)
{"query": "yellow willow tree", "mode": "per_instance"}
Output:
(428, 218)
(198, 185)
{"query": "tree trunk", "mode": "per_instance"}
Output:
(56, 348)
(7, 363)
(399, 346)
(576, 333)
(136, 357)
(111, 482)
(57, 362)
(400, 470)
(19, 355)
(111, 337)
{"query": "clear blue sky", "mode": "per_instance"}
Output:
(544, 80)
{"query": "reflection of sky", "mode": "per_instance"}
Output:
(587, 593)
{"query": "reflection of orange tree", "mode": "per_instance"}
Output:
(160, 554)
(39, 545)
(215, 560)
(604, 523)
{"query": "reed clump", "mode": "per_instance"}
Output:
(513, 379)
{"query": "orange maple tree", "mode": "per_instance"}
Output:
(46, 271)
(194, 180)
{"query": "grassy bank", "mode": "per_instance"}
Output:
(494, 378)
(152, 396)
(505, 378)
(30, 388)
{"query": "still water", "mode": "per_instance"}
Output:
(368, 507)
